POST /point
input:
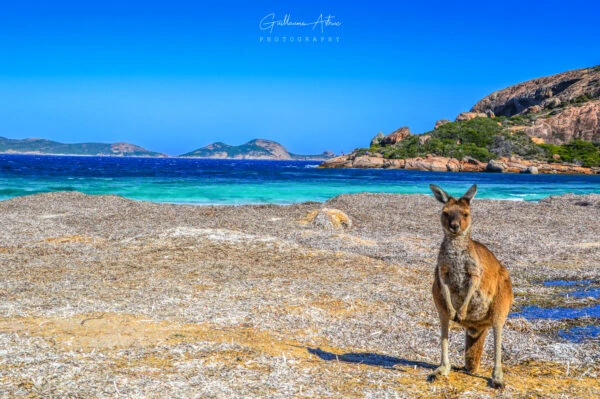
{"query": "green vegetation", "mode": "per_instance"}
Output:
(519, 120)
(257, 148)
(472, 138)
(232, 151)
(485, 139)
(363, 151)
(578, 152)
(516, 143)
(575, 102)
(582, 99)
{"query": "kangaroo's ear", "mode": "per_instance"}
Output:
(470, 193)
(440, 194)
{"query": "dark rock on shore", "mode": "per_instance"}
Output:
(495, 166)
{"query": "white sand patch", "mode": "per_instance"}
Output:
(52, 216)
(587, 244)
(222, 235)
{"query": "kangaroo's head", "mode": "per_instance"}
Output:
(456, 214)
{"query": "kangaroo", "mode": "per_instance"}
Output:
(471, 287)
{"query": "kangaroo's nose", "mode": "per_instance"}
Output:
(454, 227)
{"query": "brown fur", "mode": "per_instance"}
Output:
(471, 287)
(474, 342)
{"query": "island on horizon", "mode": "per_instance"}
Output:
(258, 149)
(38, 146)
(253, 149)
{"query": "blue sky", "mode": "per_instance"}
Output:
(174, 76)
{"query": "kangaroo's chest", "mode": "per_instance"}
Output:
(458, 266)
(457, 269)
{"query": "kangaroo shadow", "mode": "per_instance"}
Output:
(370, 359)
(375, 359)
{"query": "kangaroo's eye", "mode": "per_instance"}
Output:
(445, 213)
(466, 215)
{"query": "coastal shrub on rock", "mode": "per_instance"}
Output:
(517, 143)
(484, 139)
(579, 152)
(461, 139)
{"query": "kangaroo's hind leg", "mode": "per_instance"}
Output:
(502, 307)
(474, 342)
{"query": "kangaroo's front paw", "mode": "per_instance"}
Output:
(441, 371)
(452, 314)
(461, 315)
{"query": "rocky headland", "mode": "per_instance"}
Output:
(545, 125)
(568, 105)
(467, 164)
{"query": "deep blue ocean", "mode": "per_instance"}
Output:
(208, 181)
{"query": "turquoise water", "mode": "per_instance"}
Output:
(203, 181)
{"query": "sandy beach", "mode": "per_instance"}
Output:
(108, 297)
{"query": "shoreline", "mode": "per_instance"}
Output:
(283, 204)
(444, 164)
